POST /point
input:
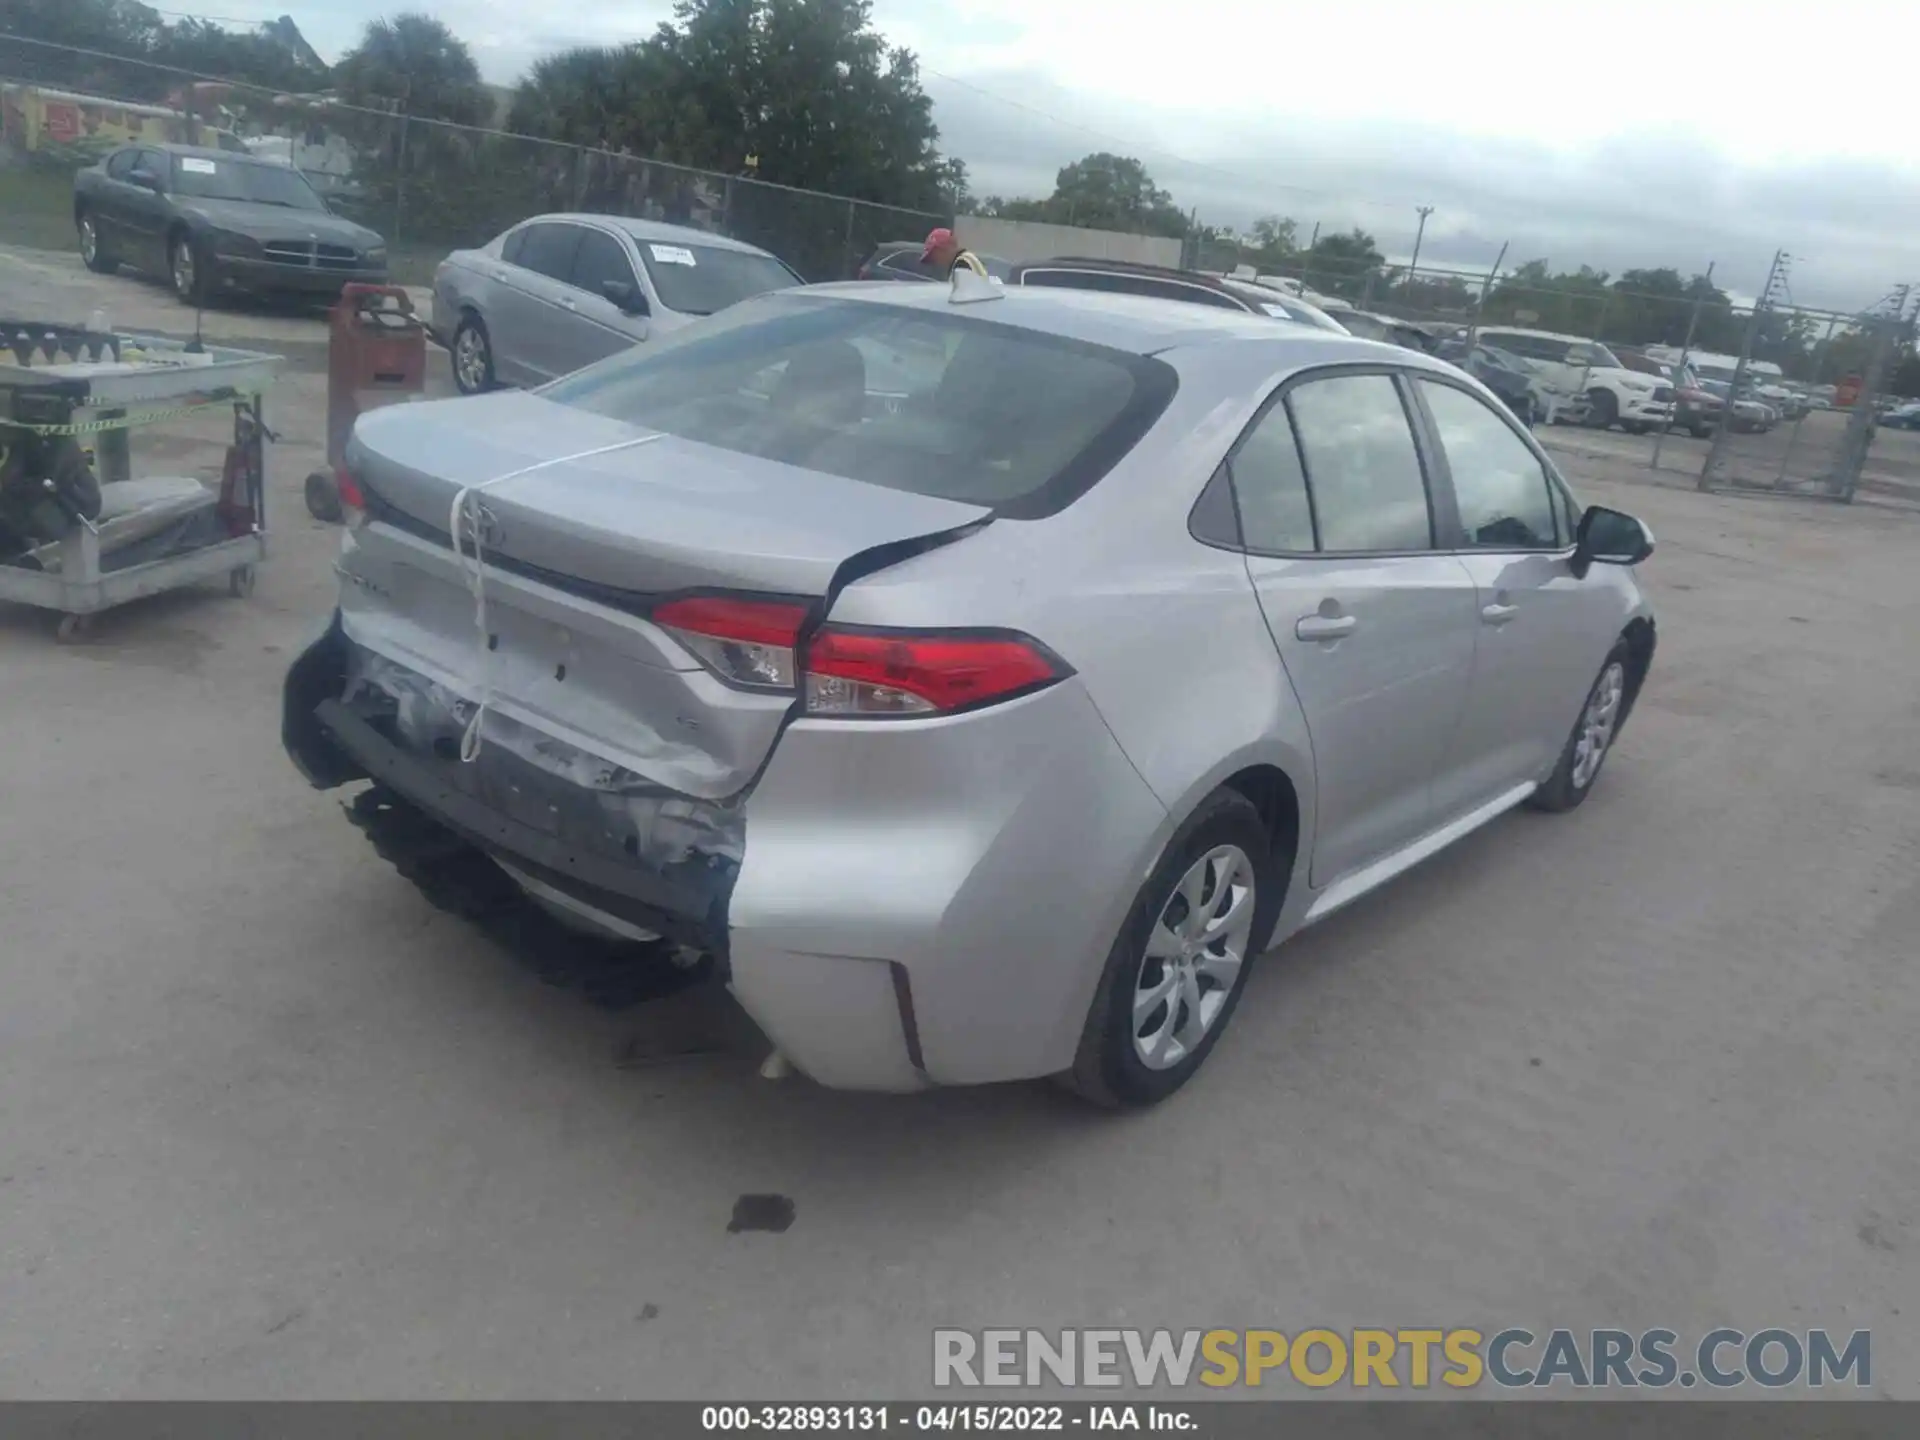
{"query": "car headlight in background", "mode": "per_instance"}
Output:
(235, 247)
(376, 254)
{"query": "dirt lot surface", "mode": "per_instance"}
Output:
(270, 1126)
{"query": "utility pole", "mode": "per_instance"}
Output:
(1473, 329)
(1680, 370)
(1413, 266)
(1776, 273)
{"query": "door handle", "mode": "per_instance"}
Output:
(1325, 627)
(1498, 614)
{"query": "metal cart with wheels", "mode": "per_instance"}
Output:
(130, 537)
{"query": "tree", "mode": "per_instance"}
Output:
(587, 96)
(1104, 191)
(1273, 243)
(262, 57)
(806, 88)
(1341, 263)
(413, 64)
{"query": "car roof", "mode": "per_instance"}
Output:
(201, 152)
(654, 230)
(1540, 334)
(1137, 324)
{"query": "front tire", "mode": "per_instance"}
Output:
(1175, 973)
(472, 356)
(93, 250)
(1593, 735)
(190, 271)
(1602, 409)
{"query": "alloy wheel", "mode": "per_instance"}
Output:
(183, 270)
(1193, 958)
(470, 359)
(1597, 724)
(89, 240)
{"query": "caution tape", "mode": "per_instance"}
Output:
(132, 419)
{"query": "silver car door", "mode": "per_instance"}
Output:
(1374, 625)
(597, 323)
(528, 324)
(1541, 632)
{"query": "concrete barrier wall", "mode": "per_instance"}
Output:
(1019, 240)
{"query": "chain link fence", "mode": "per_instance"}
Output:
(429, 187)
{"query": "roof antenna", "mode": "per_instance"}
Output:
(969, 287)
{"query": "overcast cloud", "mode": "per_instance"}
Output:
(1670, 135)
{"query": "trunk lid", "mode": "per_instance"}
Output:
(576, 552)
(654, 516)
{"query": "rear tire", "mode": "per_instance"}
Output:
(1601, 715)
(93, 250)
(1136, 1049)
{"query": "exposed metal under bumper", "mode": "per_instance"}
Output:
(647, 901)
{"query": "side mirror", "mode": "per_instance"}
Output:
(626, 295)
(1609, 537)
(144, 178)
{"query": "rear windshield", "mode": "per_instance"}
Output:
(930, 402)
(704, 280)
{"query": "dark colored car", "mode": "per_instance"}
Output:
(214, 222)
(1121, 277)
(1509, 377)
(900, 260)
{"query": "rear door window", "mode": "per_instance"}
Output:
(548, 250)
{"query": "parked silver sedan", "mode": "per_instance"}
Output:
(559, 292)
(986, 722)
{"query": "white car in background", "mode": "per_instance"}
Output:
(1604, 391)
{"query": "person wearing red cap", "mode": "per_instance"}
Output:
(943, 250)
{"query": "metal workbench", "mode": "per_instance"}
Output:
(97, 387)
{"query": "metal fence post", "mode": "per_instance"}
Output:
(1711, 464)
(1680, 370)
(399, 186)
(1793, 440)
(1858, 441)
(1480, 305)
(849, 260)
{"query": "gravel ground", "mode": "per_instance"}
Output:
(271, 1126)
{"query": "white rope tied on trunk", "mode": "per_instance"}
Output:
(462, 516)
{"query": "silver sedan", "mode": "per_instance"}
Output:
(982, 678)
(558, 292)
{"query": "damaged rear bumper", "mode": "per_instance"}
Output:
(348, 716)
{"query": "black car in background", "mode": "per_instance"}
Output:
(900, 260)
(215, 222)
(1504, 373)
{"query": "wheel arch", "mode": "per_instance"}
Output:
(1640, 637)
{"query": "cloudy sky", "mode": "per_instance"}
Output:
(1631, 133)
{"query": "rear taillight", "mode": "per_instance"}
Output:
(353, 501)
(890, 672)
(745, 642)
(851, 672)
